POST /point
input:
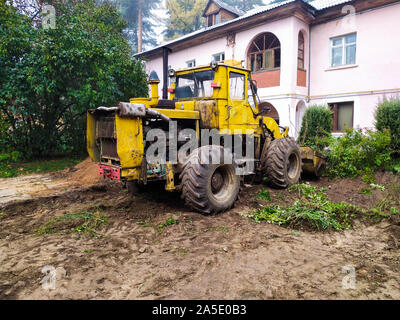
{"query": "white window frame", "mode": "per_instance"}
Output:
(344, 45)
(220, 55)
(191, 63)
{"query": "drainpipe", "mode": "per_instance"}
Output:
(309, 63)
(165, 73)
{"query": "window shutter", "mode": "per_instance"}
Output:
(269, 59)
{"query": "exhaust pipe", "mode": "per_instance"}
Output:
(165, 73)
(135, 110)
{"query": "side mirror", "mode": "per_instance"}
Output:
(254, 86)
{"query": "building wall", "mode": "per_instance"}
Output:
(376, 72)
(374, 76)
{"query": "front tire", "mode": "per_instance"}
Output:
(206, 187)
(283, 163)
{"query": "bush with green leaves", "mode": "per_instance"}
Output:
(316, 125)
(357, 153)
(49, 78)
(387, 117)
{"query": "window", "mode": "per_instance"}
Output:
(343, 50)
(236, 85)
(214, 19)
(300, 52)
(194, 85)
(342, 115)
(191, 63)
(264, 53)
(210, 20)
(219, 56)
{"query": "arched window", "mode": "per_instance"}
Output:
(300, 52)
(264, 53)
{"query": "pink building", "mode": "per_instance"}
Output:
(344, 54)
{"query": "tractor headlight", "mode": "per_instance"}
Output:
(171, 73)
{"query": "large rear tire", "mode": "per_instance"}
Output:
(282, 163)
(206, 187)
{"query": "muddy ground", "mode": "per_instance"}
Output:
(220, 257)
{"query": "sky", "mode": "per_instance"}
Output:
(159, 16)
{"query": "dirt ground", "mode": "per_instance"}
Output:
(218, 257)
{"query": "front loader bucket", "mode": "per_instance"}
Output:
(313, 161)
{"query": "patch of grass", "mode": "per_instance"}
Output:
(394, 211)
(264, 195)
(11, 169)
(280, 196)
(167, 223)
(315, 211)
(81, 223)
(365, 191)
(88, 250)
(369, 178)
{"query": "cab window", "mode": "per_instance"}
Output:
(194, 85)
(237, 86)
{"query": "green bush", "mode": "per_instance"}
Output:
(357, 153)
(387, 116)
(316, 127)
(49, 78)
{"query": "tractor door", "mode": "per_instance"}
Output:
(239, 113)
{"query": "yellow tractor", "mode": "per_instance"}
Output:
(198, 140)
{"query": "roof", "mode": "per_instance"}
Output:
(225, 6)
(324, 4)
(314, 5)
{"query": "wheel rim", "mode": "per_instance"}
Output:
(217, 181)
(292, 166)
(222, 182)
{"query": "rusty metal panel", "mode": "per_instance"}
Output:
(109, 148)
(105, 127)
(208, 114)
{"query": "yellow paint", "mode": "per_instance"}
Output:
(91, 138)
(170, 185)
(154, 92)
(130, 146)
(179, 114)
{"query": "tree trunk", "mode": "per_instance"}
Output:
(140, 27)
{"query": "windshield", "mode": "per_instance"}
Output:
(194, 85)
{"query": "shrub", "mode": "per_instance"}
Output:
(49, 78)
(316, 125)
(357, 153)
(387, 116)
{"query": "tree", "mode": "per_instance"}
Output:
(138, 14)
(184, 16)
(49, 78)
